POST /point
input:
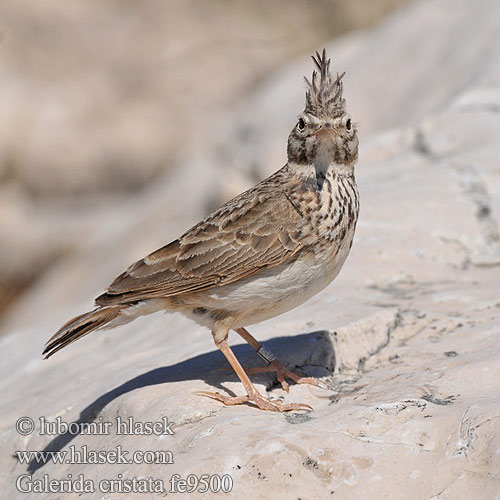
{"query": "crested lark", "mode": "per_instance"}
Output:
(261, 254)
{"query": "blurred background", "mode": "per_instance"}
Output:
(102, 101)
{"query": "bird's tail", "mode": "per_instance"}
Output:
(79, 327)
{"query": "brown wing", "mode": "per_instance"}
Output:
(256, 230)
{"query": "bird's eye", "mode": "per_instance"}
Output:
(348, 125)
(301, 124)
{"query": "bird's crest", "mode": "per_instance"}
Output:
(324, 93)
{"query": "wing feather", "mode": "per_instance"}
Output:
(256, 230)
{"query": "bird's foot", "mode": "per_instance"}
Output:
(256, 399)
(283, 373)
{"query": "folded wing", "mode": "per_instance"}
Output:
(256, 230)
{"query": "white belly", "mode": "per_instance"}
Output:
(275, 291)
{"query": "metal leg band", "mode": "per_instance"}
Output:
(266, 354)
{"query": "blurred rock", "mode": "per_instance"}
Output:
(406, 338)
(105, 96)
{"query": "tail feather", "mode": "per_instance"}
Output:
(79, 327)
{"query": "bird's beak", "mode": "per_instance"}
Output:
(326, 134)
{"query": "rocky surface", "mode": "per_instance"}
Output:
(407, 338)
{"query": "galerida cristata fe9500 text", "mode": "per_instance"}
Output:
(263, 253)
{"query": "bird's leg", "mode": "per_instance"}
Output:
(253, 396)
(273, 365)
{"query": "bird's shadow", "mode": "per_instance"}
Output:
(207, 367)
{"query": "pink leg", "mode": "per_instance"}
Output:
(275, 366)
(253, 396)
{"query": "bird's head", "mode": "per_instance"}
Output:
(324, 134)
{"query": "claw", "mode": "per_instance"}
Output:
(282, 373)
(255, 399)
